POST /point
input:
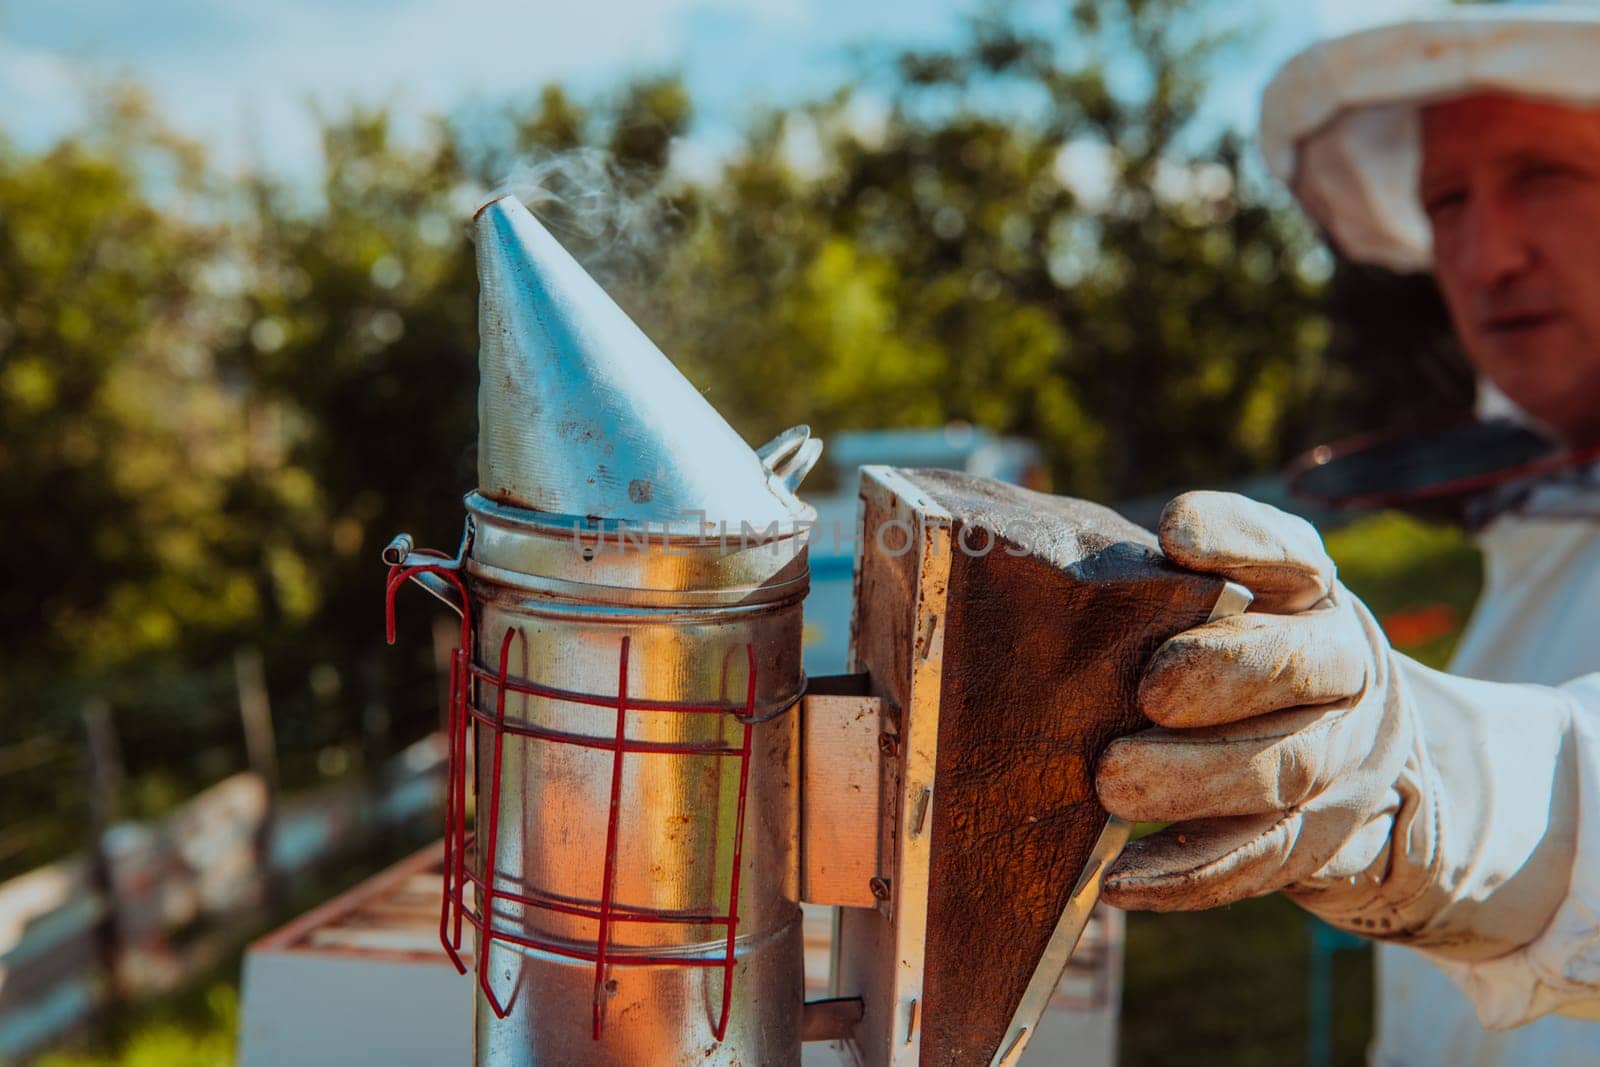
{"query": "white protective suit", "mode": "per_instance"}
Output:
(1538, 620)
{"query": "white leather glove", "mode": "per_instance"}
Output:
(1296, 750)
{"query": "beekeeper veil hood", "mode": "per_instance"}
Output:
(1340, 121)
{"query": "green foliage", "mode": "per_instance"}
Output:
(115, 431)
(1059, 265)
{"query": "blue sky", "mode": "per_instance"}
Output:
(240, 75)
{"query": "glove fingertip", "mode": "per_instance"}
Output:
(1278, 556)
(1181, 686)
(1117, 781)
(1159, 687)
(1133, 885)
(1120, 895)
(1181, 528)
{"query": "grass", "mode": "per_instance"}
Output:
(196, 1029)
(1230, 987)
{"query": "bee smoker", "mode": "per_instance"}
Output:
(656, 785)
(629, 586)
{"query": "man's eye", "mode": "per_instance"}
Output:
(1443, 200)
(1546, 174)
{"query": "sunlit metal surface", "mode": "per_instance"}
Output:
(580, 414)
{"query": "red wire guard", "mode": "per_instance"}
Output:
(453, 912)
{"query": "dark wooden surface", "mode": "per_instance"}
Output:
(1046, 635)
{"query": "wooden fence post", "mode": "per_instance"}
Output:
(105, 772)
(376, 726)
(446, 635)
(261, 748)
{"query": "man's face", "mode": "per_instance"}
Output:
(1511, 186)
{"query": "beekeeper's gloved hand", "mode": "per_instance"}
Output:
(1296, 750)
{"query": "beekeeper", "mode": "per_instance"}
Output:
(1453, 817)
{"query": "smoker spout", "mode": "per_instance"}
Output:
(581, 415)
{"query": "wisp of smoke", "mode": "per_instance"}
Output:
(615, 221)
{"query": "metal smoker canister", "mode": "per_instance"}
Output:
(632, 576)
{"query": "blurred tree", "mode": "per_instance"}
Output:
(1033, 238)
(117, 441)
(118, 444)
(356, 349)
